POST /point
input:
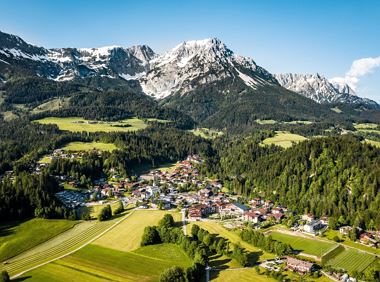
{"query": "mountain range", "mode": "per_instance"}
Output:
(202, 78)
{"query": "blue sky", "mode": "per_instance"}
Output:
(301, 36)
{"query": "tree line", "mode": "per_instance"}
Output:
(336, 177)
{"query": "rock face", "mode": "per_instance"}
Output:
(320, 89)
(68, 63)
(200, 62)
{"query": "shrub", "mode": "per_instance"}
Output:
(119, 208)
(105, 213)
(173, 274)
(167, 221)
(5, 276)
(150, 236)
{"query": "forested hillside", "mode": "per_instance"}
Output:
(31, 195)
(334, 176)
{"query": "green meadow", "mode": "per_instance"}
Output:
(206, 133)
(310, 245)
(352, 260)
(127, 235)
(284, 139)
(76, 124)
(95, 263)
(88, 146)
(18, 237)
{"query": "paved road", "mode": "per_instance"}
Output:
(59, 247)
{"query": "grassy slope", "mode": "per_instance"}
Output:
(309, 246)
(82, 146)
(373, 143)
(87, 146)
(127, 235)
(241, 275)
(95, 209)
(206, 133)
(21, 237)
(284, 139)
(359, 126)
(71, 124)
(330, 234)
(95, 263)
(59, 245)
(53, 104)
(352, 260)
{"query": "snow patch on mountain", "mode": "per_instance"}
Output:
(18, 54)
(199, 62)
(320, 89)
(132, 77)
(249, 81)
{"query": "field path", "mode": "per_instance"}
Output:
(183, 211)
(60, 246)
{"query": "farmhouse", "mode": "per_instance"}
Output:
(344, 230)
(308, 217)
(313, 226)
(236, 208)
(298, 265)
(252, 217)
(367, 238)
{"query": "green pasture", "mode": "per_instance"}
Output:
(18, 237)
(76, 124)
(312, 246)
(284, 139)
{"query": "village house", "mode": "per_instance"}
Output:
(345, 230)
(367, 239)
(298, 265)
(308, 217)
(234, 208)
(277, 216)
(324, 220)
(205, 193)
(313, 227)
(268, 204)
(252, 217)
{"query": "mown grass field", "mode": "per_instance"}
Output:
(250, 274)
(76, 124)
(284, 139)
(352, 260)
(95, 209)
(82, 146)
(309, 246)
(59, 245)
(17, 238)
(345, 241)
(215, 228)
(206, 133)
(127, 235)
(239, 275)
(95, 263)
(88, 146)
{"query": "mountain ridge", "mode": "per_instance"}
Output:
(181, 69)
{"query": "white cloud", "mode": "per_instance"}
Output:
(358, 69)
